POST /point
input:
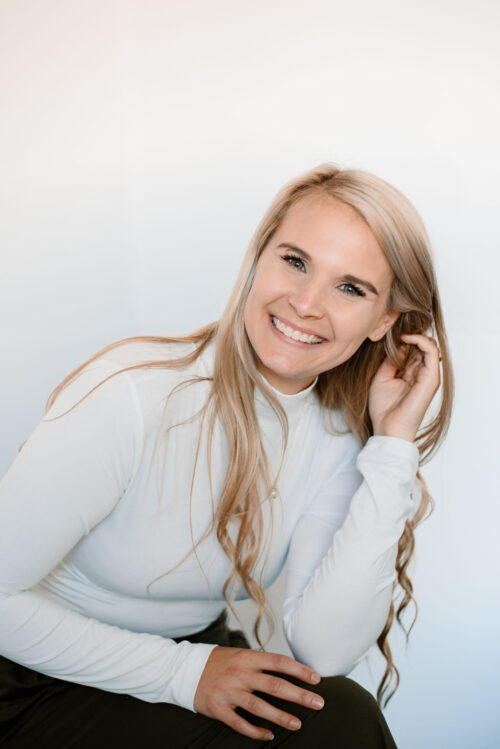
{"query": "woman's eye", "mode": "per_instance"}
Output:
(294, 259)
(357, 290)
(297, 262)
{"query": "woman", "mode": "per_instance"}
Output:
(169, 472)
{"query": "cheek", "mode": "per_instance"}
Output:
(251, 314)
(351, 329)
(261, 292)
(252, 304)
(350, 318)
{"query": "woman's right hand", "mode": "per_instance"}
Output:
(230, 677)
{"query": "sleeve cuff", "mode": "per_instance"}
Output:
(393, 449)
(182, 687)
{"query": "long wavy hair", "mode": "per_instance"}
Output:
(414, 294)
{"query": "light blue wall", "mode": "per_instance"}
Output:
(140, 143)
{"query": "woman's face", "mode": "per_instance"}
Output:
(322, 274)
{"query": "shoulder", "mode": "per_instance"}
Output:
(130, 370)
(131, 352)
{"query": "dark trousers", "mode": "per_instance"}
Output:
(40, 710)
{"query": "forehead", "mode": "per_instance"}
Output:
(328, 219)
(332, 232)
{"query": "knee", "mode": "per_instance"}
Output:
(340, 693)
(344, 691)
(352, 714)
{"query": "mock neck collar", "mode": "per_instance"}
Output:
(292, 403)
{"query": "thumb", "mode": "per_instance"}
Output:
(386, 371)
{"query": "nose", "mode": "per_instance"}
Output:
(307, 301)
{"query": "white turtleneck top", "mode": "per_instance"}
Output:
(96, 506)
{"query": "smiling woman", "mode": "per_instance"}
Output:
(310, 392)
(309, 293)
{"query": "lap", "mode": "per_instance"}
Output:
(35, 709)
(71, 715)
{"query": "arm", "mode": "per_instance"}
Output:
(341, 561)
(67, 478)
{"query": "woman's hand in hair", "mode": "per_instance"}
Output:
(232, 675)
(397, 405)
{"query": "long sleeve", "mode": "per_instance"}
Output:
(341, 560)
(69, 475)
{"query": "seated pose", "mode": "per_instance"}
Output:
(171, 476)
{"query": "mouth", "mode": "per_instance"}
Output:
(291, 335)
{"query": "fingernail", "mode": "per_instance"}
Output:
(270, 736)
(315, 677)
(318, 702)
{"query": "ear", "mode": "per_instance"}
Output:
(384, 324)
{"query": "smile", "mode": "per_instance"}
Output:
(294, 335)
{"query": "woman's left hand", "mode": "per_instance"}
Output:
(397, 405)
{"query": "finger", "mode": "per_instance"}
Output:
(387, 370)
(427, 346)
(286, 690)
(425, 343)
(284, 664)
(410, 373)
(257, 706)
(240, 725)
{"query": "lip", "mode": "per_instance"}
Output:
(291, 341)
(296, 327)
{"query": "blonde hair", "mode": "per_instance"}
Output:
(414, 294)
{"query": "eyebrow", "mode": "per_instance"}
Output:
(347, 277)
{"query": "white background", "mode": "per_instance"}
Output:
(141, 142)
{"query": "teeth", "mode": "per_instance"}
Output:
(291, 333)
